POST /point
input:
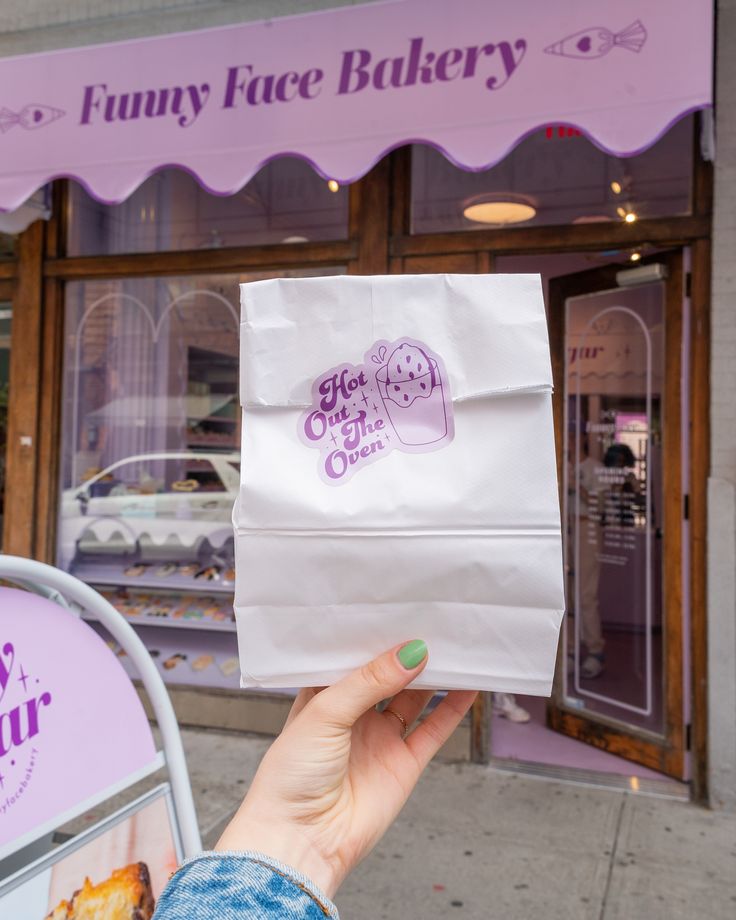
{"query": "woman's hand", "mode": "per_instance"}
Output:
(340, 772)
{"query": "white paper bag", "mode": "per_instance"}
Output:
(398, 480)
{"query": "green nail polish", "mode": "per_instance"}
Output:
(413, 653)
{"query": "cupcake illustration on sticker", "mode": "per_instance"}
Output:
(414, 396)
(397, 399)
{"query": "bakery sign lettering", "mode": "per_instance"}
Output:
(22, 705)
(359, 70)
(398, 399)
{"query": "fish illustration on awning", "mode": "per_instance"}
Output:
(30, 117)
(598, 41)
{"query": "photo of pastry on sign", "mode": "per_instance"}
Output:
(125, 894)
(398, 399)
(114, 870)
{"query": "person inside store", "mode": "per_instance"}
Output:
(325, 793)
(584, 487)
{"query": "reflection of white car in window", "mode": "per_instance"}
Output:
(155, 507)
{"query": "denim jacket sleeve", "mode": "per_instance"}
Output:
(240, 886)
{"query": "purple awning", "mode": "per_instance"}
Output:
(342, 87)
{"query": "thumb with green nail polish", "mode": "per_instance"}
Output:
(413, 653)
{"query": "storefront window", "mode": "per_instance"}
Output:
(5, 318)
(150, 456)
(285, 202)
(554, 176)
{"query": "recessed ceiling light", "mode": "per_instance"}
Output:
(500, 209)
(634, 257)
(333, 185)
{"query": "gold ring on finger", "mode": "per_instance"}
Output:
(401, 719)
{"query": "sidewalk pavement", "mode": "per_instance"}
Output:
(478, 844)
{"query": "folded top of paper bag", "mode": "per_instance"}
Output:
(293, 329)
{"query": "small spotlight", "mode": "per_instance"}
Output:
(621, 212)
(630, 217)
(333, 185)
(616, 187)
(634, 257)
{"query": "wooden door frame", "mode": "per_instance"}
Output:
(25, 388)
(36, 356)
(6, 295)
(699, 450)
(638, 745)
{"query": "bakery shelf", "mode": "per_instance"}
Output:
(110, 575)
(203, 625)
(199, 660)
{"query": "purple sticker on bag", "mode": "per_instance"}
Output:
(398, 399)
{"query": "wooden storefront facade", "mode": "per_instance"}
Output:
(379, 241)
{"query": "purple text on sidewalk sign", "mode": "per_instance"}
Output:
(71, 723)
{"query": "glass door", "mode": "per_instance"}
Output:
(617, 345)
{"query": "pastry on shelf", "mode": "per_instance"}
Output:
(125, 895)
(201, 608)
(183, 604)
(165, 570)
(185, 485)
(135, 571)
(132, 605)
(159, 608)
(164, 605)
(209, 573)
(229, 666)
(203, 662)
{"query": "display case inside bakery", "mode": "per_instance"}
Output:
(151, 464)
(150, 461)
(150, 429)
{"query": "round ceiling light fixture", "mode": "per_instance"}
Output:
(499, 209)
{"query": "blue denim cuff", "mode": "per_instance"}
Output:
(233, 885)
